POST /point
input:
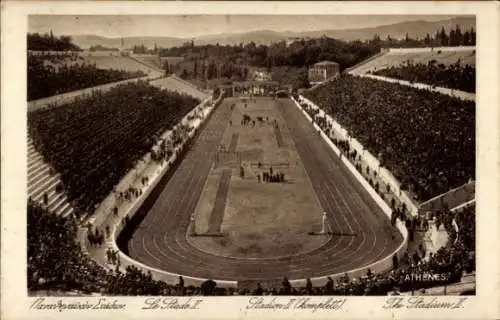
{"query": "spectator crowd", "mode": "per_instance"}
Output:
(426, 139)
(57, 262)
(93, 142)
(50, 75)
(455, 76)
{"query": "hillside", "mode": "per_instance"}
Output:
(415, 29)
(86, 41)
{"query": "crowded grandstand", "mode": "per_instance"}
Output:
(109, 133)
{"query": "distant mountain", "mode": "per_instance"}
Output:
(259, 37)
(86, 41)
(414, 29)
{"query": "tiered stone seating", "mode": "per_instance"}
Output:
(396, 57)
(382, 117)
(451, 199)
(42, 180)
(121, 63)
(94, 142)
(53, 75)
(175, 83)
(149, 60)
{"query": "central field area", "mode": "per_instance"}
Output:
(241, 215)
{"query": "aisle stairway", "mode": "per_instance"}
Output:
(42, 179)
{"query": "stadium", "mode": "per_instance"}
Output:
(314, 167)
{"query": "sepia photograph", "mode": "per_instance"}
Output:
(280, 158)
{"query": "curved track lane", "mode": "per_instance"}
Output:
(160, 240)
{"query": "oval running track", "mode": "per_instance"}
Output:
(160, 240)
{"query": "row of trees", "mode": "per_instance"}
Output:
(278, 53)
(454, 38)
(283, 62)
(102, 48)
(142, 49)
(208, 69)
(304, 53)
(49, 42)
(298, 54)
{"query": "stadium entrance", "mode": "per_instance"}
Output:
(256, 88)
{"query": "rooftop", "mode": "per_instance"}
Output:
(325, 63)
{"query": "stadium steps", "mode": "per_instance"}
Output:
(31, 150)
(39, 197)
(42, 171)
(42, 181)
(40, 184)
(54, 199)
(35, 157)
(36, 168)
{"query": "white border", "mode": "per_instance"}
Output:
(15, 305)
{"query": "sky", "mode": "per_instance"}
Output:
(197, 25)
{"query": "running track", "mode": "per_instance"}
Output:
(160, 240)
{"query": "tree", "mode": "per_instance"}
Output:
(458, 36)
(472, 36)
(166, 67)
(453, 39)
(195, 68)
(204, 69)
(211, 70)
(466, 38)
(443, 37)
(139, 49)
(427, 39)
(49, 42)
(437, 38)
(269, 65)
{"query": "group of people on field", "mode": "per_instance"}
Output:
(270, 176)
